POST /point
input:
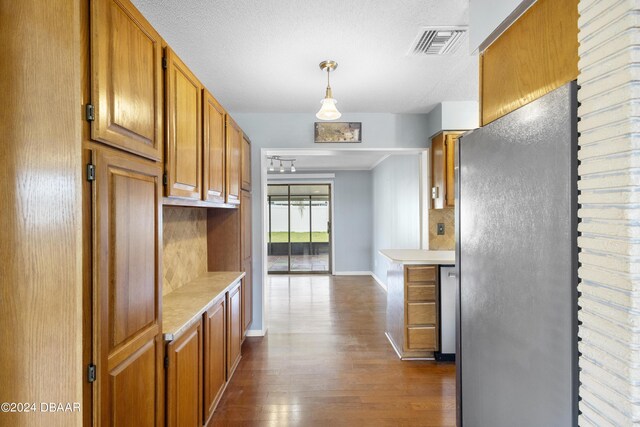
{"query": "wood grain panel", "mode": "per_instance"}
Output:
(184, 130)
(247, 297)
(41, 197)
(214, 152)
(534, 56)
(421, 338)
(184, 379)
(215, 358)
(417, 293)
(437, 171)
(133, 386)
(234, 147)
(423, 313)
(421, 273)
(126, 73)
(127, 216)
(246, 163)
(223, 240)
(450, 170)
(234, 328)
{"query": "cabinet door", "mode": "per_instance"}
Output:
(450, 177)
(234, 331)
(184, 379)
(214, 150)
(234, 141)
(245, 225)
(184, 130)
(126, 313)
(246, 163)
(437, 172)
(215, 368)
(247, 297)
(126, 79)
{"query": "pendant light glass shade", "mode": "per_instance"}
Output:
(328, 111)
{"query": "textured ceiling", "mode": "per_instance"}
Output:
(263, 55)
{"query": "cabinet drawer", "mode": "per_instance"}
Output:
(421, 313)
(421, 292)
(421, 338)
(421, 274)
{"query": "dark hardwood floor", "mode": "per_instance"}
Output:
(325, 361)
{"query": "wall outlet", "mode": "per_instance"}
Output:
(440, 229)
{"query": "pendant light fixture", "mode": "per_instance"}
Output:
(328, 111)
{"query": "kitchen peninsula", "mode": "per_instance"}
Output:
(414, 301)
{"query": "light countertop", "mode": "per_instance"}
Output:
(419, 256)
(184, 306)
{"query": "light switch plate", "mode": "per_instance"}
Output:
(440, 229)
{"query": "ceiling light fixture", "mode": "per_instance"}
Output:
(328, 111)
(283, 162)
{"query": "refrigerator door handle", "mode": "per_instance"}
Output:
(452, 274)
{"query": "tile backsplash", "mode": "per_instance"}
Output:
(184, 238)
(448, 240)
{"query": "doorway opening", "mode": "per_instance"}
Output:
(299, 228)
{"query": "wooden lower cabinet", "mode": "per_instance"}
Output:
(201, 361)
(421, 308)
(215, 360)
(234, 337)
(412, 310)
(184, 379)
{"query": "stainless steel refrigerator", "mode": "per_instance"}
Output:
(516, 254)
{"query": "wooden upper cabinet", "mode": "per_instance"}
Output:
(126, 311)
(214, 149)
(246, 163)
(245, 226)
(437, 171)
(126, 79)
(215, 369)
(234, 146)
(443, 148)
(184, 379)
(184, 130)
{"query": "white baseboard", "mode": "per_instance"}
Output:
(380, 282)
(256, 332)
(352, 273)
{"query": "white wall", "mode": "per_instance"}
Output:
(353, 220)
(485, 16)
(396, 208)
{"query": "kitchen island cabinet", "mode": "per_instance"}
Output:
(413, 327)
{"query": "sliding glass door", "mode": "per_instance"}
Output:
(299, 233)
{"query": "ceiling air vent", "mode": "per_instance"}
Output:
(437, 40)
